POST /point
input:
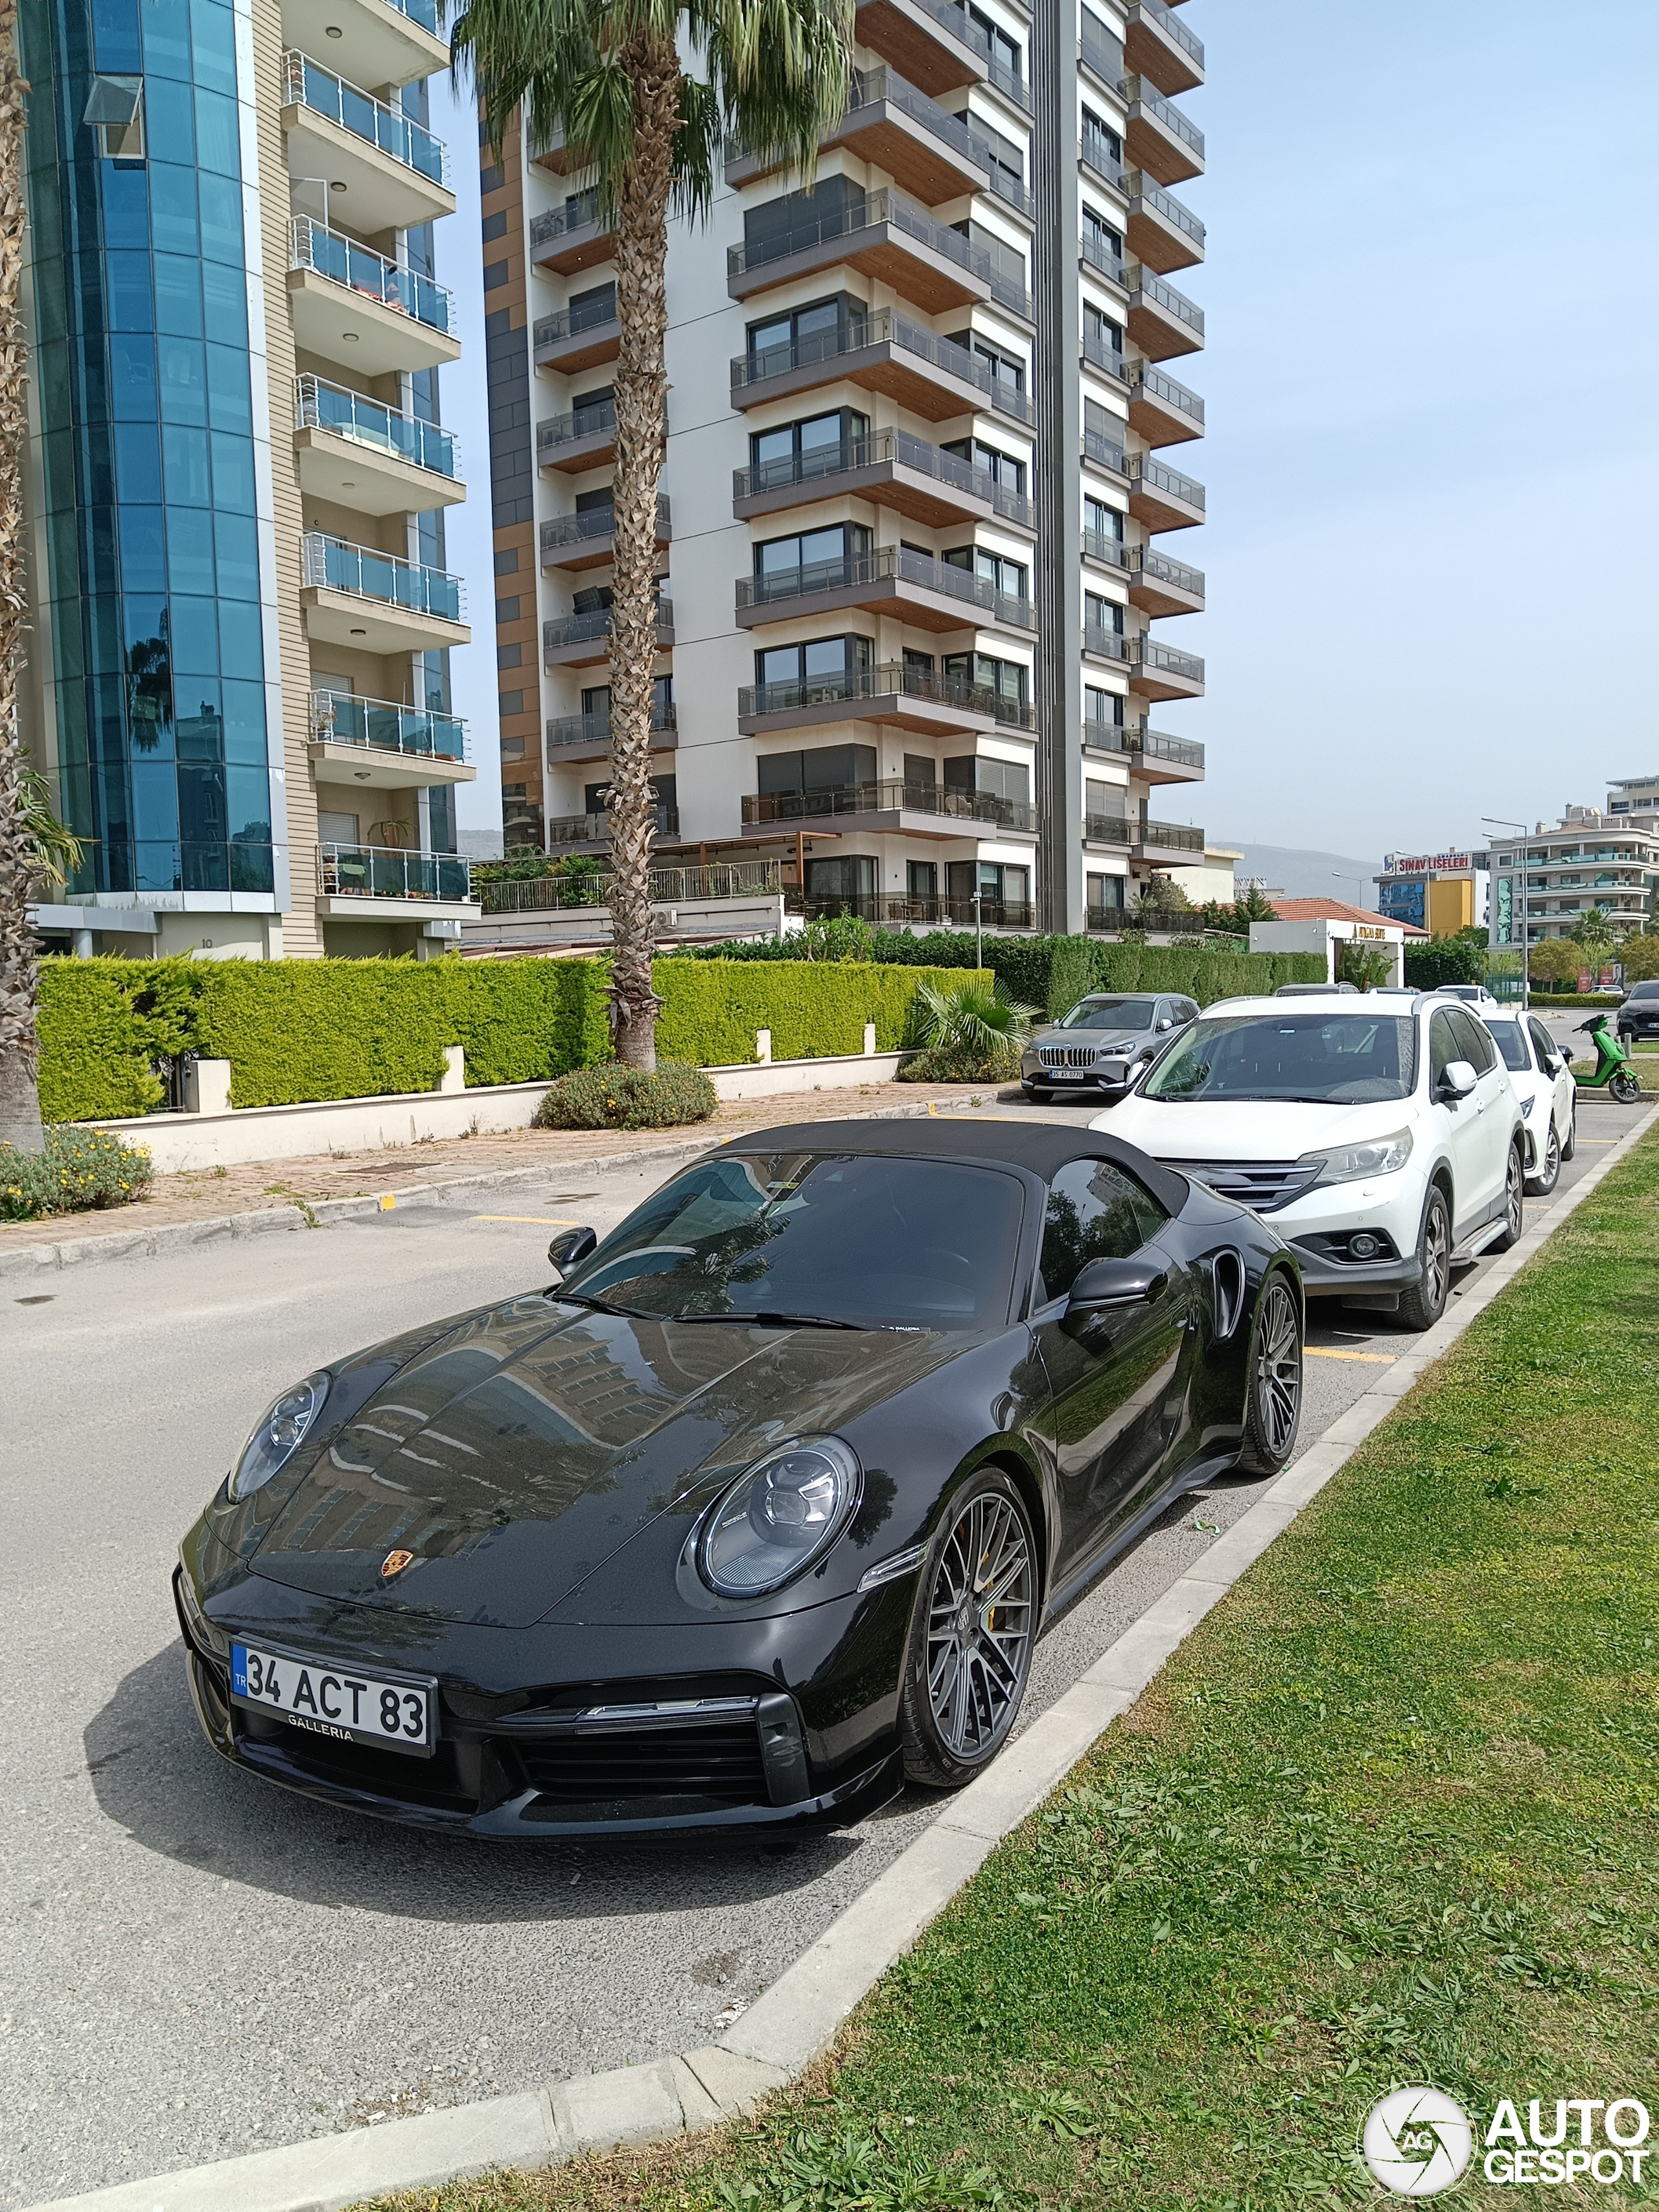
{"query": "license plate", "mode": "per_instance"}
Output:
(329, 1699)
(1065, 1075)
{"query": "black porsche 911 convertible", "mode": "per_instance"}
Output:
(756, 1511)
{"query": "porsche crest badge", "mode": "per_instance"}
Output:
(393, 1564)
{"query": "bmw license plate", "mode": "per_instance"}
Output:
(329, 1699)
(1064, 1075)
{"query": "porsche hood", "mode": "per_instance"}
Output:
(517, 1451)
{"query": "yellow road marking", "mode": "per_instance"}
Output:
(1372, 1358)
(388, 1200)
(538, 1220)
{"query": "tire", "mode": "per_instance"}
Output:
(1515, 1201)
(960, 1695)
(1569, 1142)
(1549, 1172)
(1626, 1088)
(1037, 1098)
(1273, 1407)
(1422, 1305)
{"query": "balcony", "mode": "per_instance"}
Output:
(358, 597)
(358, 453)
(1163, 671)
(1114, 829)
(932, 42)
(376, 882)
(575, 831)
(890, 122)
(1103, 644)
(1105, 358)
(388, 747)
(558, 154)
(387, 171)
(1098, 158)
(884, 351)
(572, 738)
(350, 304)
(584, 439)
(1159, 586)
(1157, 43)
(1158, 138)
(1168, 843)
(1106, 453)
(589, 540)
(1161, 321)
(890, 468)
(584, 640)
(1149, 755)
(576, 236)
(667, 887)
(1162, 497)
(578, 338)
(890, 910)
(893, 692)
(925, 593)
(1096, 254)
(1101, 53)
(1161, 232)
(1163, 412)
(883, 235)
(1106, 552)
(375, 42)
(892, 805)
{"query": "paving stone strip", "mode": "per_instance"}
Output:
(791, 2022)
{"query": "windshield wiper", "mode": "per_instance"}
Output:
(768, 1318)
(603, 1305)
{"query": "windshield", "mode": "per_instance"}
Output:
(1644, 990)
(872, 1241)
(1507, 1037)
(1110, 1014)
(1323, 1059)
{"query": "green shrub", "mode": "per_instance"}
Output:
(77, 1171)
(1444, 960)
(618, 1097)
(712, 1009)
(104, 1023)
(969, 1031)
(998, 1062)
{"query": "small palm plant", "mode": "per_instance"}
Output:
(966, 1032)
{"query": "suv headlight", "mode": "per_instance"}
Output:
(280, 1432)
(779, 1516)
(1379, 1156)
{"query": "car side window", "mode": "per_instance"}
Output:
(1095, 1211)
(1543, 1046)
(1478, 1047)
(1444, 1047)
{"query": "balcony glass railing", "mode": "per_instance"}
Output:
(1145, 376)
(870, 212)
(583, 629)
(885, 907)
(1173, 28)
(1099, 159)
(1154, 290)
(593, 522)
(341, 718)
(1105, 644)
(1180, 753)
(1099, 547)
(1157, 477)
(595, 829)
(334, 565)
(1105, 452)
(599, 315)
(889, 795)
(885, 564)
(1104, 357)
(321, 406)
(1150, 652)
(667, 887)
(595, 729)
(1141, 187)
(392, 284)
(581, 423)
(388, 129)
(1171, 836)
(1137, 91)
(1100, 257)
(883, 326)
(377, 872)
(1148, 561)
(1107, 830)
(1101, 50)
(889, 679)
(898, 447)
(579, 212)
(423, 12)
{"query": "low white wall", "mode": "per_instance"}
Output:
(178, 1141)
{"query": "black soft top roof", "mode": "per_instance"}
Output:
(1044, 1147)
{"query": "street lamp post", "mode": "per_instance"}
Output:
(1496, 822)
(979, 931)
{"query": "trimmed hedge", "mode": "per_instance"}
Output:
(1606, 1000)
(712, 1008)
(102, 1025)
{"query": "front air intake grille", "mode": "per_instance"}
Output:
(1066, 1055)
(1261, 1184)
(716, 1762)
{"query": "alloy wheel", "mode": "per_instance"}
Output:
(979, 1626)
(1514, 1194)
(1547, 1176)
(1437, 1257)
(1276, 1380)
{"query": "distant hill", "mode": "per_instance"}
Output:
(1302, 874)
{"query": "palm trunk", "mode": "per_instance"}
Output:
(19, 1100)
(641, 403)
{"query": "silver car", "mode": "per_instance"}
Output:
(1106, 1042)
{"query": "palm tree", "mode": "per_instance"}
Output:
(650, 91)
(20, 1101)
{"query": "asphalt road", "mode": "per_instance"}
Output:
(193, 1963)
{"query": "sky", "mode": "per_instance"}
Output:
(1430, 385)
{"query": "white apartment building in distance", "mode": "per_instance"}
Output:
(1588, 860)
(915, 501)
(238, 681)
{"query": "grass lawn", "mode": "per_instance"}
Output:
(1387, 1817)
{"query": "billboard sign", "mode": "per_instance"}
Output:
(1428, 864)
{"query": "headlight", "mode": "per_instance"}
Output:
(1352, 1163)
(278, 1435)
(778, 1517)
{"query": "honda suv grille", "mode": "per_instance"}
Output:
(1262, 1184)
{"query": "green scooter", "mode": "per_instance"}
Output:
(1614, 1073)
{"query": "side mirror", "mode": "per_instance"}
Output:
(1110, 1286)
(1459, 1079)
(570, 1246)
(1166, 1024)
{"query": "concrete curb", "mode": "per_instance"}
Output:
(170, 1238)
(795, 2020)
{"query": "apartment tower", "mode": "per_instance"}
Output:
(238, 681)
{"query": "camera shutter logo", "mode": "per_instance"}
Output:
(1417, 2141)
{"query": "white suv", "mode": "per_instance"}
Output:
(1382, 1137)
